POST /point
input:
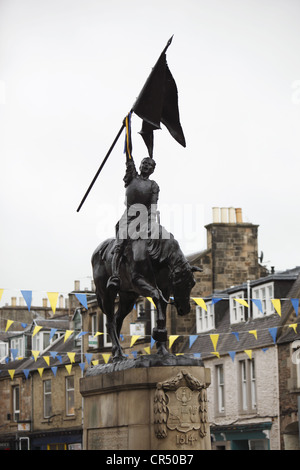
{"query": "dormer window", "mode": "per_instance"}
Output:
(264, 294)
(237, 310)
(205, 319)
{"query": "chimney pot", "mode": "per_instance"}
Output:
(216, 215)
(231, 214)
(224, 215)
(239, 217)
(76, 285)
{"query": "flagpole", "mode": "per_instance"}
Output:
(101, 166)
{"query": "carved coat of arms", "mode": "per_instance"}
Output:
(180, 404)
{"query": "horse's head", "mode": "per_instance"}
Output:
(182, 282)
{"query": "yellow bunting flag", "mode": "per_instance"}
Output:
(294, 326)
(133, 339)
(47, 360)
(53, 296)
(68, 334)
(242, 302)
(277, 305)
(95, 362)
(98, 334)
(253, 332)
(40, 371)
(172, 338)
(216, 354)
(36, 330)
(150, 300)
(147, 350)
(35, 354)
(106, 357)
(71, 356)
(8, 324)
(1, 293)
(11, 373)
(214, 340)
(249, 353)
(200, 302)
(69, 368)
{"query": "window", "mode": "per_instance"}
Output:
(296, 362)
(16, 403)
(47, 399)
(3, 350)
(237, 310)
(41, 341)
(205, 319)
(220, 388)
(70, 408)
(247, 385)
(263, 293)
(19, 344)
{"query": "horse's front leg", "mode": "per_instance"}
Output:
(117, 351)
(159, 333)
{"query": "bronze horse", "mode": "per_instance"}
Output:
(165, 273)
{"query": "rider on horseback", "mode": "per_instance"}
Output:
(139, 218)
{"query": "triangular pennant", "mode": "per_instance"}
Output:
(215, 300)
(54, 370)
(8, 324)
(295, 303)
(88, 357)
(273, 333)
(242, 302)
(236, 334)
(59, 357)
(200, 302)
(23, 325)
(82, 299)
(254, 333)
(277, 305)
(35, 354)
(264, 349)
(14, 353)
(26, 373)
(134, 353)
(98, 334)
(192, 339)
(71, 356)
(52, 332)
(232, 355)
(216, 354)
(106, 357)
(11, 373)
(249, 353)
(150, 300)
(53, 296)
(95, 362)
(53, 354)
(69, 368)
(36, 330)
(147, 349)
(82, 333)
(40, 371)
(68, 334)
(294, 326)
(82, 366)
(172, 338)
(214, 340)
(27, 294)
(1, 293)
(47, 360)
(133, 339)
(152, 342)
(258, 304)
(197, 355)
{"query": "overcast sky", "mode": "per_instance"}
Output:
(70, 71)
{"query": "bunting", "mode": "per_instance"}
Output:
(53, 296)
(214, 339)
(27, 294)
(172, 339)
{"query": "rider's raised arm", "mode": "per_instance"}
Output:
(130, 171)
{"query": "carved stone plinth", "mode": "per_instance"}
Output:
(146, 408)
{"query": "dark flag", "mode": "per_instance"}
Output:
(158, 102)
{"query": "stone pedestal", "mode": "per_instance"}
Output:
(146, 408)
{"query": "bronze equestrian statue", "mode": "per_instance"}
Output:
(143, 260)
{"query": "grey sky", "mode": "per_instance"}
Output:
(70, 71)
